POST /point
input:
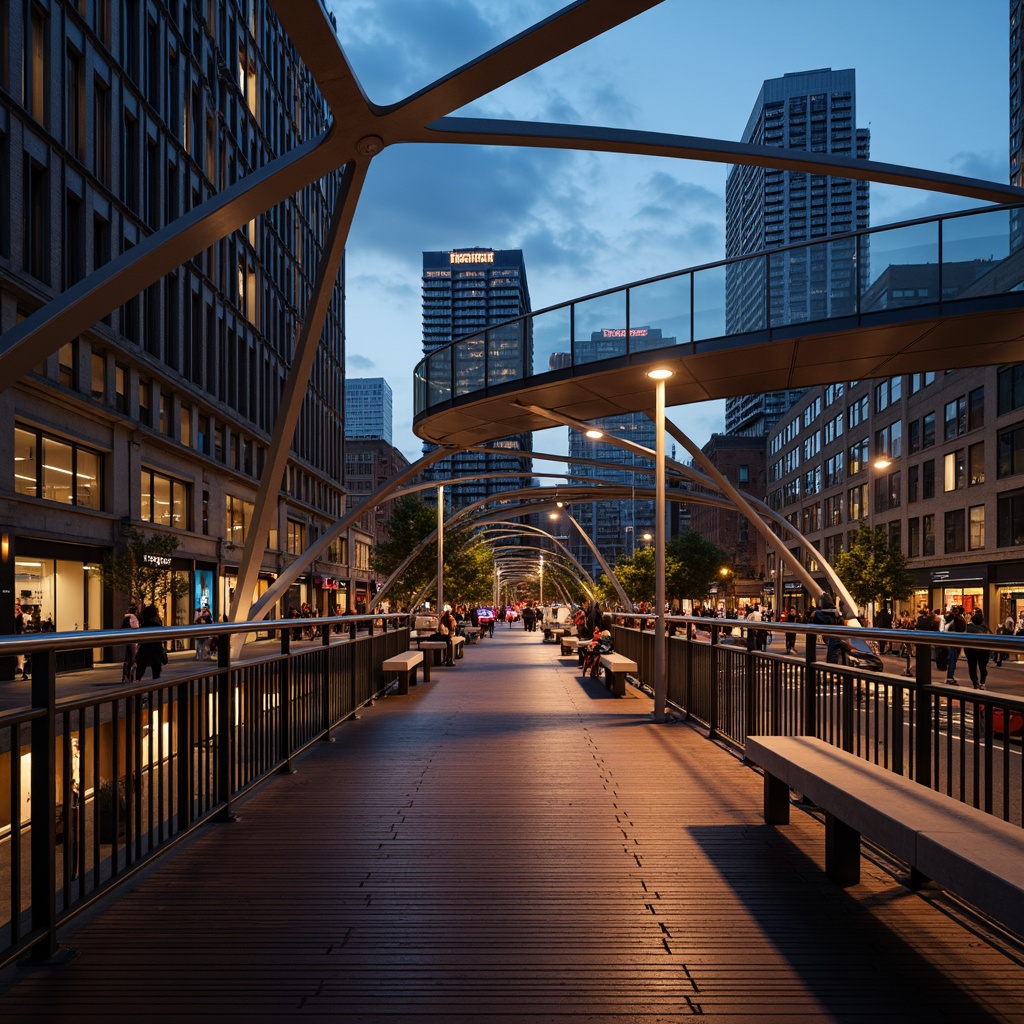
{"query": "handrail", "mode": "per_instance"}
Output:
(447, 356)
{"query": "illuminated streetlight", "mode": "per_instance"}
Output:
(659, 375)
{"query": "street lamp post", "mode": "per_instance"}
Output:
(659, 376)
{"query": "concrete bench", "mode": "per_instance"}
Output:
(616, 668)
(472, 633)
(966, 851)
(436, 651)
(552, 634)
(405, 665)
(458, 645)
(571, 644)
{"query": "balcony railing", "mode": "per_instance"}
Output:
(953, 257)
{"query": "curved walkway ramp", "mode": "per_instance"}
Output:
(510, 844)
(934, 294)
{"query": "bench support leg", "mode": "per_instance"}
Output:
(427, 658)
(776, 801)
(918, 879)
(842, 851)
(403, 681)
(616, 682)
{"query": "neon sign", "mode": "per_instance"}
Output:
(471, 257)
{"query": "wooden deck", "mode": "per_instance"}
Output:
(510, 843)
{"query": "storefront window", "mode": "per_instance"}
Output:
(165, 501)
(61, 595)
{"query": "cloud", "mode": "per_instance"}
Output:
(353, 361)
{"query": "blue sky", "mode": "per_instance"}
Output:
(931, 85)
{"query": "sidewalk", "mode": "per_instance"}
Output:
(509, 843)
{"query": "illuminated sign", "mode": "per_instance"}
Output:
(471, 257)
(635, 332)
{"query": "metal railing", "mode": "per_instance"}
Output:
(957, 256)
(953, 739)
(99, 784)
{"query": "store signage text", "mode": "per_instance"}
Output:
(471, 257)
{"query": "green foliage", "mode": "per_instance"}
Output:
(696, 562)
(873, 568)
(468, 571)
(142, 569)
(411, 521)
(636, 574)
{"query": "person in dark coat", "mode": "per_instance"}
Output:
(977, 658)
(151, 653)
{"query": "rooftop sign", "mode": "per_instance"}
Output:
(471, 257)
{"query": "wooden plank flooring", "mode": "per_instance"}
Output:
(510, 844)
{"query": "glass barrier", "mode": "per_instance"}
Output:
(949, 257)
(662, 309)
(552, 340)
(599, 328)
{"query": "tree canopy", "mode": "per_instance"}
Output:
(142, 569)
(874, 568)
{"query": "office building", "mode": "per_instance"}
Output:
(767, 208)
(121, 119)
(467, 291)
(368, 408)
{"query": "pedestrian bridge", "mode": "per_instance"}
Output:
(511, 842)
(935, 294)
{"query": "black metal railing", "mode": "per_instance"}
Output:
(98, 784)
(955, 739)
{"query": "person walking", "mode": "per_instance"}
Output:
(19, 628)
(955, 623)
(977, 658)
(883, 620)
(789, 615)
(203, 616)
(130, 621)
(151, 654)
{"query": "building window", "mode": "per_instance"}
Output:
(37, 220)
(955, 471)
(35, 66)
(955, 418)
(1010, 520)
(858, 456)
(101, 131)
(976, 409)
(238, 515)
(165, 501)
(976, 464)
(743, 476)
(66, 365)
(57, 470)
(296, 537)
(954, 531)
(928, 534)
(857, 503)
(927, 479)
(1010, 453)
(976, 527)
(913, 537)
(97, 376)
(913, 484)
(1010, 383)
(928, 430)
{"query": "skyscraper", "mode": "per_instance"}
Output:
(466, 291)
(368, 408)
(766, 208)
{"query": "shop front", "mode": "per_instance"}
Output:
(964, 585)
(60, 589)
(1008, 595)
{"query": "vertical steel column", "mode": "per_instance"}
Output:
(284, 718)
(225, 733)
(440, 553)
(923, 717)
(43, 812)
(810, 686)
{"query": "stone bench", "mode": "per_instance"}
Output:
(405, 665)
(553, 634)
(458, 647)
(616, 668)
(472, 633)
(966, 851)
(571, 644)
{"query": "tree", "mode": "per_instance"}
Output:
(142, 569)
(696, 564)
(873, 567)
(412, 519)
(468, 571)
